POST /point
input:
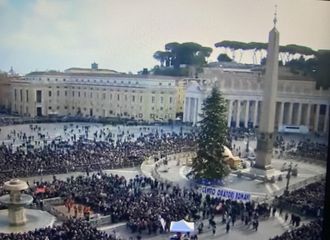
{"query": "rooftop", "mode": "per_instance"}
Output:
(92, 74)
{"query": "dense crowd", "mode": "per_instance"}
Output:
(82, 154)
(302, 149)
(310, 231)
(309, 199)
(73, 229)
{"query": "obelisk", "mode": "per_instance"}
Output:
(266, 133)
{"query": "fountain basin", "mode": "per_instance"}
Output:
(35, 219)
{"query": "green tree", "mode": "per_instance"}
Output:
(210, 161)
(224, 58)
(322, 70)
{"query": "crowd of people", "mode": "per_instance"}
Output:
(310, 231)
(62, 156)
(308, 199)
(303, 149)
(73, 229)
(141, 202)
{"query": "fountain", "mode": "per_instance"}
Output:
(16, 201)
(17, 218)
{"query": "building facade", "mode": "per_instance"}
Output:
(94, 93)
(298, 103)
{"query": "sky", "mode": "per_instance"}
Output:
(123, 35)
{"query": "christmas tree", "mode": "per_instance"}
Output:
(210, 161)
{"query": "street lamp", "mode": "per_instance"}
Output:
(286, 192)
(248, 135)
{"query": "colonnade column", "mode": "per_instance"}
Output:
(290, 113)
(247, 109)
(188, 110)
(230, 112)
(238, 113)
(255, 119)
(280, 120)
(317, 114)
(326, 119)
(308, 115)
(299, 114)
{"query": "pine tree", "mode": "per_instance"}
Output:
(210, 161)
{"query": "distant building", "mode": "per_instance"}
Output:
(95, 92)
(298, 102)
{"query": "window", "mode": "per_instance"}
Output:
(169, 84)
(125, 97)
(66, 93)
(133, 98)
(39, 96)
(76, 80)
(72, 108)
(78, 94)
(122, 81)
(101, 80)
(111, 112)
(66, 107)
(118, 97)
(152, 99)
(160, 83)
(56, 79)
(72, 93)
(161, 109)
(50, 93)
(49, 107)
(58, 108)
(140, 99)
(88, 80)
(170, 99)
(47, 79)
(162, 100)
(115, 81)
(137, 82)
(15, 94)
(153, 108)
(63, 80)
(103, 95)
(110, 96)
(94, 80)
(58, 93)
(91, 95)
(21, 94)
(84, 94)
(27, 96)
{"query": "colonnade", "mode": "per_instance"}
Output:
(246, 113)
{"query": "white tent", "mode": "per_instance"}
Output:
(182, 226)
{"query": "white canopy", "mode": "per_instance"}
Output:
(182, 226)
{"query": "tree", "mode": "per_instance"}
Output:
(322, 71)
(210, 161)
(188, 53)
(145, 71)
(224, 58)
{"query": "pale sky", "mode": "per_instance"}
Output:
(124, 34)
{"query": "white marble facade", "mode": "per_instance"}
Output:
(297, 101)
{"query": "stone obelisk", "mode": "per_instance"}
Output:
(266, 128)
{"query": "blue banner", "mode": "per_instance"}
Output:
(225, 193)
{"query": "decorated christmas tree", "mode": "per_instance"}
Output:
(210, 161)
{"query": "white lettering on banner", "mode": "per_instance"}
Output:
(223, 193)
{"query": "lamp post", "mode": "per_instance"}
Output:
(248, 135)
(286, 192)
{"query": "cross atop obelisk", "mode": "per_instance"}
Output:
(266, 129)
(275, 17)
